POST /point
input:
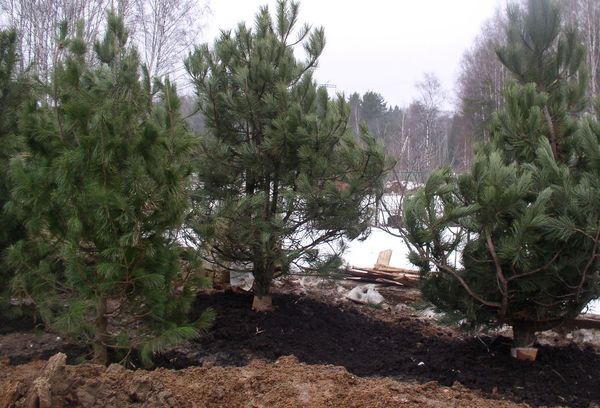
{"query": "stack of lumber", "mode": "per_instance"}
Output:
(383, 273)
(586, 321)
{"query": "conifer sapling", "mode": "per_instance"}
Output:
(102, 186)
(526, 219)
(279, 173)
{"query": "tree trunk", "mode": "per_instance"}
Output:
(262, 301)
(523, 340)
(101, 337)
(523, 335)
(264, 270)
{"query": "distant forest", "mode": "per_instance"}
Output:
(423, 136)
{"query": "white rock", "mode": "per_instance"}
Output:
(586, 336)
(242, 280)
(429, 313)
(367, 295)
(401, 307)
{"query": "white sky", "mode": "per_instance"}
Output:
(379, 45)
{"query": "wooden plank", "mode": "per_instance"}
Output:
(583, 322)
(393, 269)
(384, 277)
(375, 280)
(387, 275)
(384, 258)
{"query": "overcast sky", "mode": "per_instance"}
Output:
(379, 45)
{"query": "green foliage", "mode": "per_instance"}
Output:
(373, 112)
(175, 335)
(102, 187)
(12, 93)
(526, 219)
(278, 173)
(541, 52)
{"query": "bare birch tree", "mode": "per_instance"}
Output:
(37, 23)
(585, 15)
(166, 31)
(428, 108)
(482, 78)
(479, 87)
(163, 30)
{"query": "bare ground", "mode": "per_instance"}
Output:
(316, 350)
(283, 383)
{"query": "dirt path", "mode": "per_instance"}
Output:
(284, 383)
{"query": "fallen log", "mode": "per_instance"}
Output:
(586, 321)
(388, 275)
(368, 279)
(384, 277)
(392, 269)
(383, 273)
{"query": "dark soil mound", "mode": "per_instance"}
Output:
(24, 322)
(23, 338)
(319, 333)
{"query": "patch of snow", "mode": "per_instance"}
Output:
(593, 307)
(365, 253)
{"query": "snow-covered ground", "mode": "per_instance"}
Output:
(364, 253)
(594, 307)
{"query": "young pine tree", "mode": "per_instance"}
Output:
(526, 219)
(279, 173)
(102, 185)
(13, 89)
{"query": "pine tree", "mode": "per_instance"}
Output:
(12, 92)
(102, 185)
(526, 219)
(279, 172)
(373, 109)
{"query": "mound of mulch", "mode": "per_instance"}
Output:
(284, 383)
(408, 349)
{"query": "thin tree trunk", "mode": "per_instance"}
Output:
(523, 335)
(262, 301)
(101, 338)
(264, 269)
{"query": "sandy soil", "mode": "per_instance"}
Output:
(284, 383)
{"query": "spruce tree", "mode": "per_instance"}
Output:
(102, 185)
(526, 219)
(279, 173)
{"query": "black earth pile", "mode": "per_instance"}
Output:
(320, 333)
